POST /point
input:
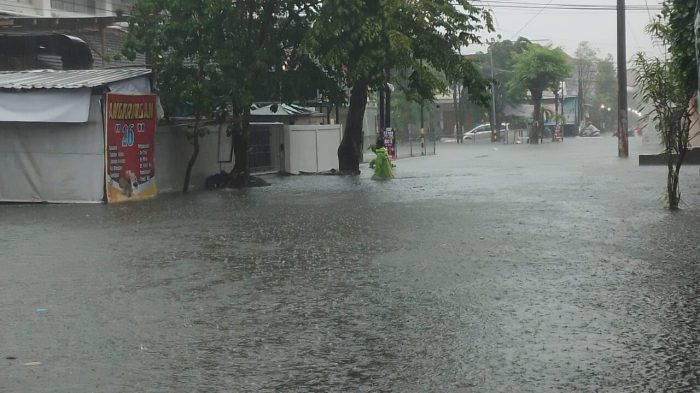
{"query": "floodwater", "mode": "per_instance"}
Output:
(482, 269)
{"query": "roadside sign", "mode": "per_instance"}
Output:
(129, 147)
(389, 135)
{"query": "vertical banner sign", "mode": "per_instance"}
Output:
(130, 143)
(389, 139)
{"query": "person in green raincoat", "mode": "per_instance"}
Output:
(381, 164)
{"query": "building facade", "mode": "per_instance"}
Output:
(31, 31)
(57, 8)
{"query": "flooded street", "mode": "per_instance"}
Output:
(486, 268)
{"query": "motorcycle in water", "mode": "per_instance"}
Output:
(589, 131)
(557, 136)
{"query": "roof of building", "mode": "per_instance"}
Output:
(107, 47)
(73, 79)
(281, 110)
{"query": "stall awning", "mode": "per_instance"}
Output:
(59, 96)
(71, 79)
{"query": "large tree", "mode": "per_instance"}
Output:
(537, 69)
(500, 58)
(586, 59)
(220, 56)
(605, 96)
(174, 36)
(367, 39)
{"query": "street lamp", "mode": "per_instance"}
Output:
(603, 117)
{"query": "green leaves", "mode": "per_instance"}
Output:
(536, 69)
(674, 26)
(368, 37)
(539, 68)
(503, 55)
(214, 51)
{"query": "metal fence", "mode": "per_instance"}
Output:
(413, 146)
(264, 153)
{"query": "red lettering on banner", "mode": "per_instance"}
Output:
(130, 138)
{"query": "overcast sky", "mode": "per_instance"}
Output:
(566, 28)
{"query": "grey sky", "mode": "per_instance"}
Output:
(566, 28)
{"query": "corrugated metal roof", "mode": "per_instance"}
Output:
(73, 79)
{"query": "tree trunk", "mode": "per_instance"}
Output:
(537, 127)
(672, 187)
(674, 174)
(556, 112)
(581, 97)
(193, 158)
(350, 150)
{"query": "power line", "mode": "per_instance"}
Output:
(502, 4)
(532, 19)
(561, 6)
(495, 18)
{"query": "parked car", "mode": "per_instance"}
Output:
(482, 133)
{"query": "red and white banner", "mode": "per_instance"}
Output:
(130, 147)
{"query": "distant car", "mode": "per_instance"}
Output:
(482, 133)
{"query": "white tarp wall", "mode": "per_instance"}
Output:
(53, 162)
(311, 149)
(45, 106)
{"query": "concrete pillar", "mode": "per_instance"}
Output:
(43, 7)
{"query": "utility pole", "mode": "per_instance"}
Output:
(455, 102)
(622, 141)
(387, 107)
(381, 110)
(422, 117)
(460, 114)
(563, 114)
(579, 101)
(494, 129)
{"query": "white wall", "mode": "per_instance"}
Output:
(311, 149)
(173, 152)
(53, 162)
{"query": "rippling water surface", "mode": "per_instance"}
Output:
(516, 269)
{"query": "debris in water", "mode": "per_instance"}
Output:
(33, 364)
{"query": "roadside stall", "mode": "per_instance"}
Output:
(77, 136)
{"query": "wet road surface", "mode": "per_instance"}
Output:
(483, 269)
